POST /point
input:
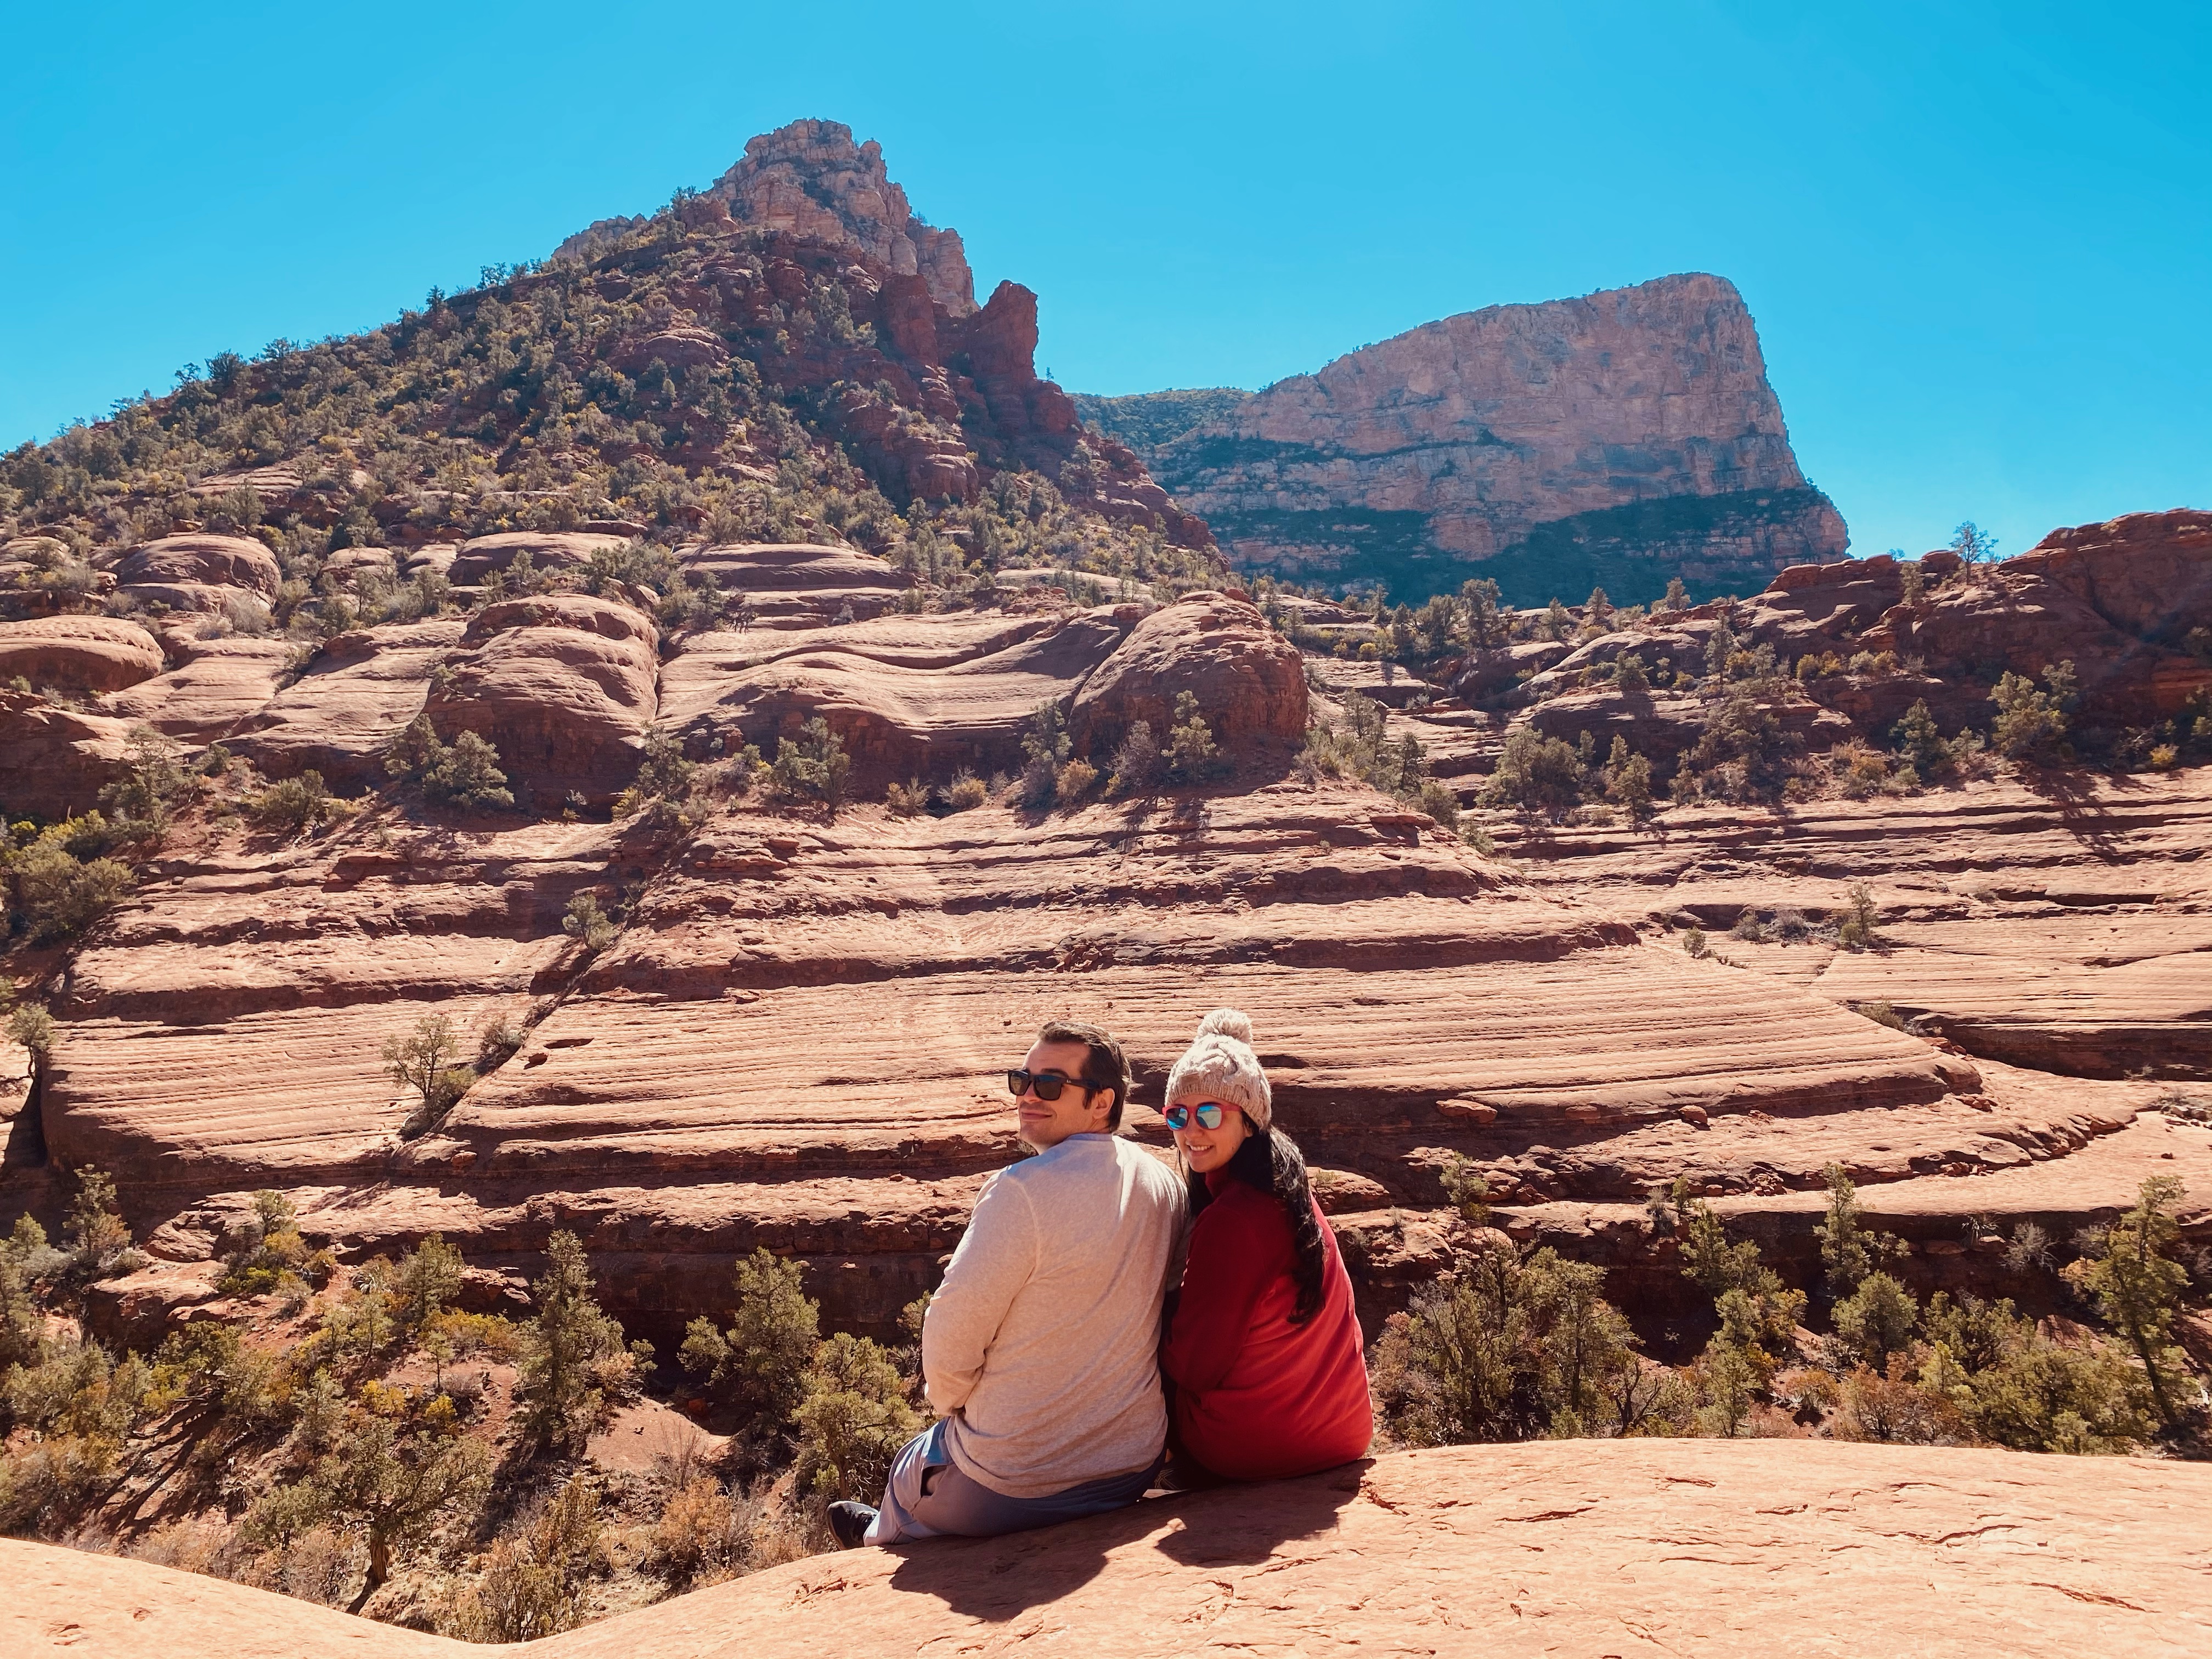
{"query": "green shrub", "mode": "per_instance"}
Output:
(1045, 747)
(465, 773)
(575, 1368)
(812, 766)
(967, 792)
(423, 1059)
(664, 771)
(586, 923)
(1512, 1348)
(2138, 1285)
(33, 1027)
(293, 804)
(1874, 1322)
(1848, 1253)
(1628, 780)
(1538, 775)
(269, 1248)
(852, 1421)
(60, 897)
(1855, 932)
(2028, 721)
(1191, 756)
(151, 784)
(535, 1584)
(758, 1365)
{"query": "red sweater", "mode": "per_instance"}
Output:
(1256, 1397)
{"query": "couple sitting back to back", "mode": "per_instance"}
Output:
(1042, 1351)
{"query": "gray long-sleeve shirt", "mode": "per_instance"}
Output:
(1040, 1347)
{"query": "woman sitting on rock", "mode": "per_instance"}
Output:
(1264, 1351)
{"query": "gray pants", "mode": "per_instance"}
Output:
(928, 1497)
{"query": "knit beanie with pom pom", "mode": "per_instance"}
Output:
(1219, 1064)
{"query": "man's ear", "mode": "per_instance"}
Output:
(1105, 1103)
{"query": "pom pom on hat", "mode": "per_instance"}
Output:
(1228, 1023)
(1219, 1064)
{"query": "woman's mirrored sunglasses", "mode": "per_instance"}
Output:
(1048, 1085)
(1209, 1114)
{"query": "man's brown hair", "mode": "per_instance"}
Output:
(1105, 1065)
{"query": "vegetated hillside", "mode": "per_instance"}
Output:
(457, 937)
(1147, 420)
(693, 378)
(1623, 438)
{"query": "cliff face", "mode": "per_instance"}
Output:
(1624, 437)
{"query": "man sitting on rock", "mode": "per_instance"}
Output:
(1039, 1347)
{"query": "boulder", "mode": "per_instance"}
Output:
(1248, 680)
(194, 561)
(137, 1310)
(563, 686)
(548, 550)
(78, 653)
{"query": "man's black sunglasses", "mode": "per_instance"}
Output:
(1048, 1084)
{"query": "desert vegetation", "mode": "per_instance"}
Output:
(374, 1436)
(371, 1437)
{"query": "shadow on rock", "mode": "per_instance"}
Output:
(997, 1579)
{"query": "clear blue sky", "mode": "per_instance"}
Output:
(1977, 237)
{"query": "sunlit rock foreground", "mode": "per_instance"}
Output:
(1715, 1548)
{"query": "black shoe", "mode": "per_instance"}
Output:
(851, 1522)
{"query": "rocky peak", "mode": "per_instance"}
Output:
(810, 179)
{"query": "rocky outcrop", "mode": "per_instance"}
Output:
(547, 550)
(356, 695)
(208, 560)
(2127, 603)
(78, 653)
(55, 761)
(565, 687)
(1620, 438)
(1736, 1549)
(1247, 676)
(809, 178)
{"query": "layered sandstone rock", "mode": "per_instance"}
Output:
(565, 687)
(547, 550)
(357, 694)
(55, 761)
(1623, 438)
(1243, 674)
(78, 653)
(1727, 1548)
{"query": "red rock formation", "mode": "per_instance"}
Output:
(810, 179)
(206, 561)
(78, 653)
(1248, 680)
(479, 558)
(1574, 1546)
(563, 686)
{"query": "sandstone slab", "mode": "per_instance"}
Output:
(1728, 1548)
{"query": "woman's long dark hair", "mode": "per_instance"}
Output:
(1273, 1164)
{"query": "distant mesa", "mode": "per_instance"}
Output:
(1617, 439)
